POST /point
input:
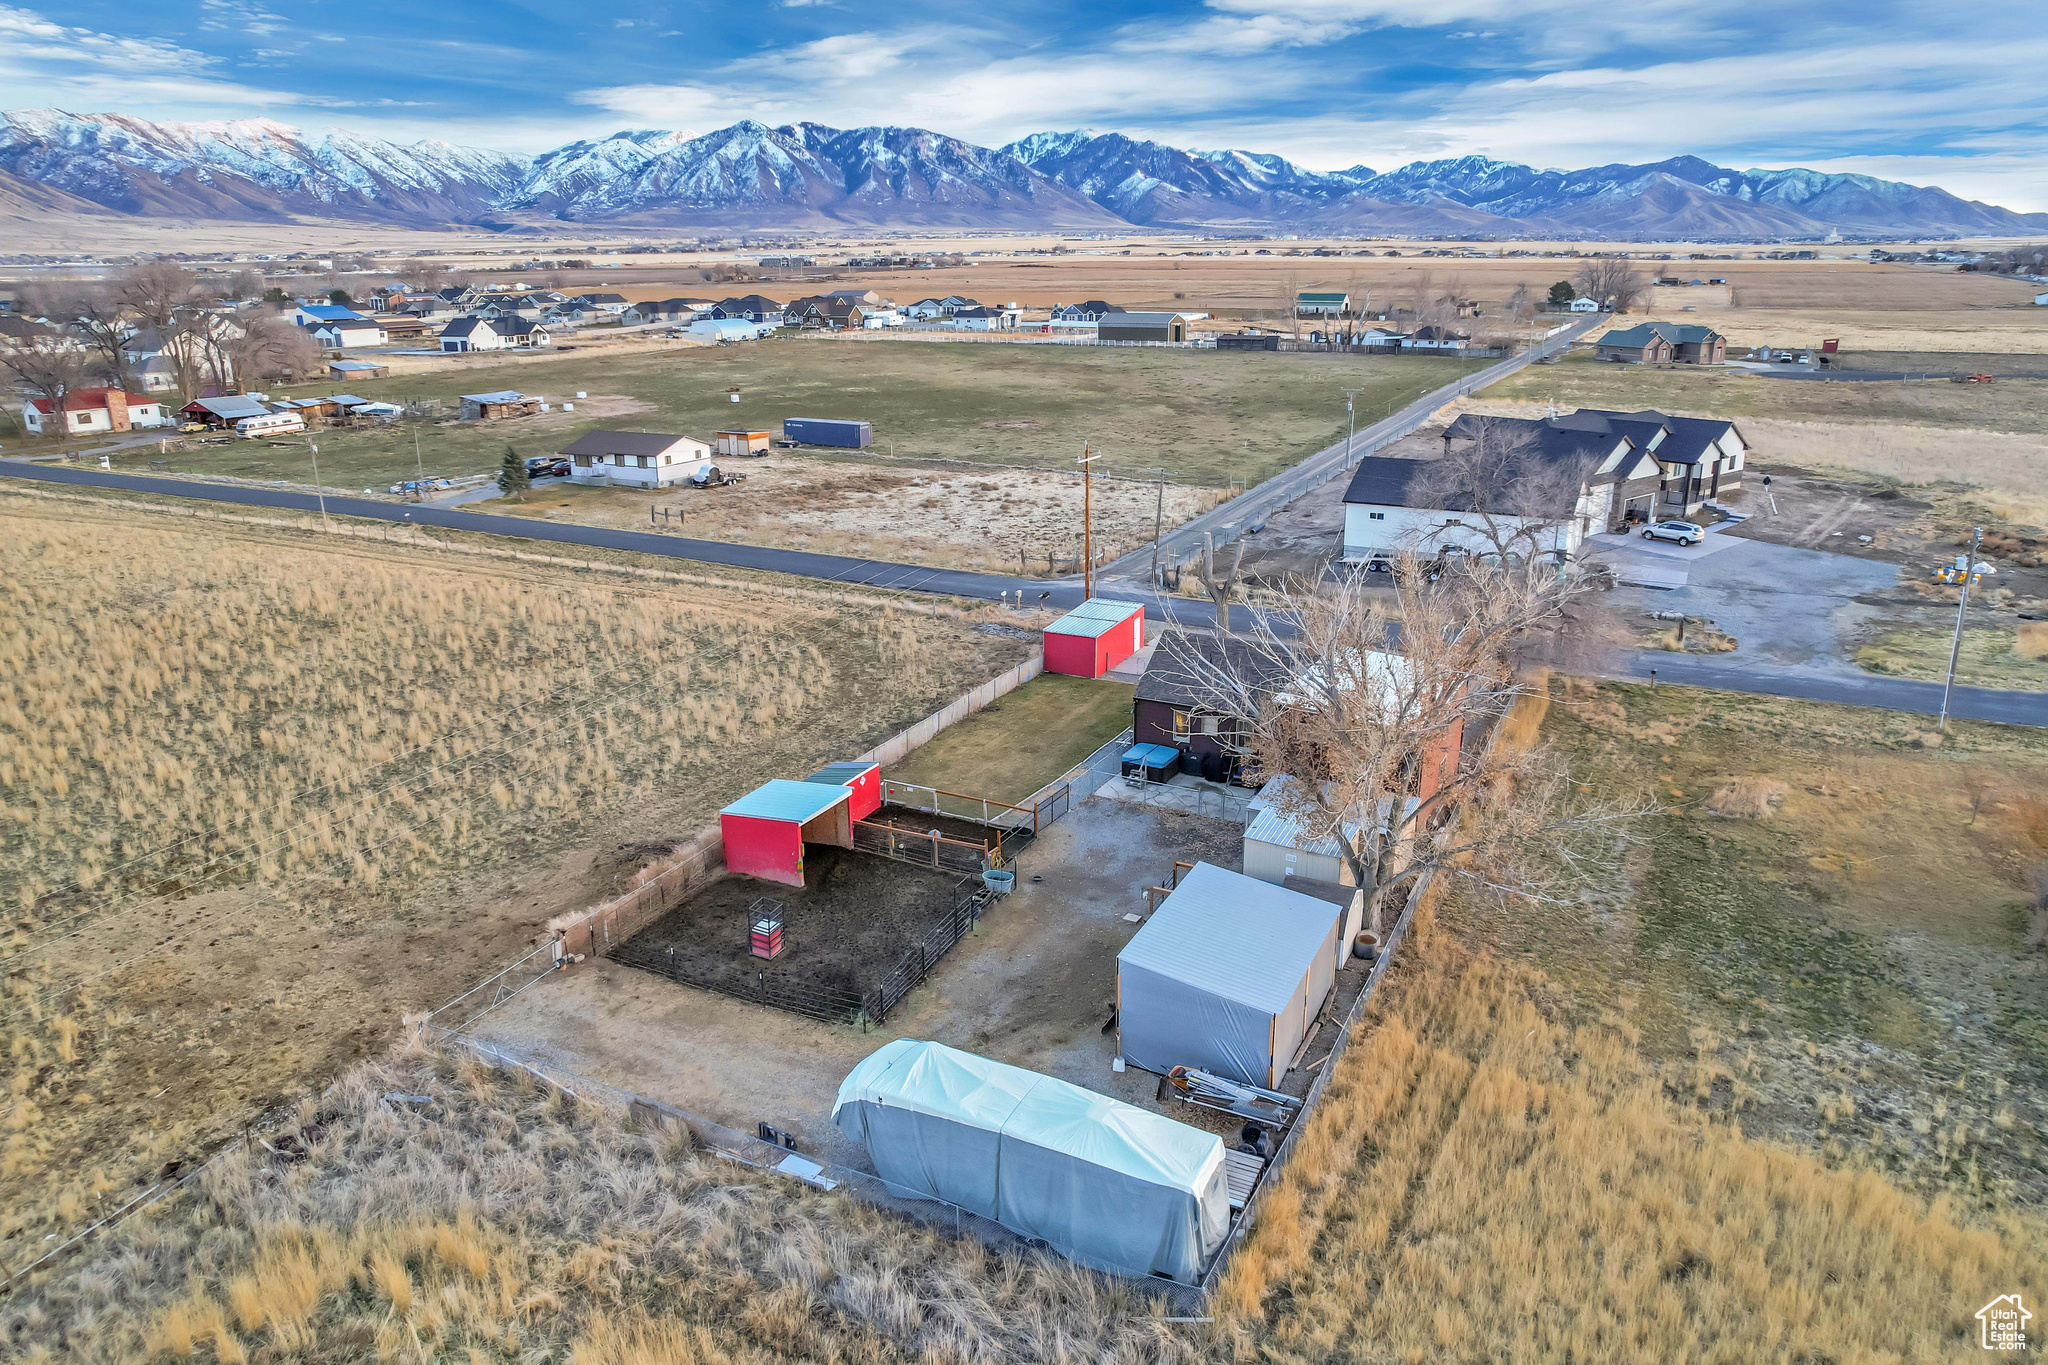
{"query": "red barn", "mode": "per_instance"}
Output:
(864, 780)
(1094, 637)
(765, 831)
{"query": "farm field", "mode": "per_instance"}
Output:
(1212, 419)
(267, 790)
(1827, 934)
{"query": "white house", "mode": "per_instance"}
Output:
(640, 459)
(91, 410)
(493, 334)
(1394, 505)
(1435, 338)
(881, 317)
(1584, 305)
(343, 333)
(613, 304)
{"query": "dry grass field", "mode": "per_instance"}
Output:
(264, 790)
(1006, 520)
(1492, 1180)
(1827, 934)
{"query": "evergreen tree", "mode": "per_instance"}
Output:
(340, 298)
(513, 480)
(1562, 293)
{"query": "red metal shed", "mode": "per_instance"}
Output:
(765, 831)
(864, 780)
(1094, 637)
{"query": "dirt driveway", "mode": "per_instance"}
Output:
(1033, 987)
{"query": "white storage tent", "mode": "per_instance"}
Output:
(1226, 976)
(1101, 1181)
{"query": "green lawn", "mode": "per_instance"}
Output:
(1211, 418)
(1010, 749)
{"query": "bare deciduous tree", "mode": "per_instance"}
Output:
(1613, 281)
(1221, 585)
(49, 366)
(1515, 501)
(169, 300)
(271, 347)
(1366, 703)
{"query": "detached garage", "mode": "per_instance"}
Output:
(1103, 1182)
(864, 780)
(1226, 976)
(765, 831)
(1094, 637)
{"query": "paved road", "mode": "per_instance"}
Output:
(1255, 504)
(1890, 694)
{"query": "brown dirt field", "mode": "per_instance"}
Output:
(846, 927)
(921, 513)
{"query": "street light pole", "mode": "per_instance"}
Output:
(1955, 651)
(1350, 421)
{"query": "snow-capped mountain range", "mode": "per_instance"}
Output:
(806, 175)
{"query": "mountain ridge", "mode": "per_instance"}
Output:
(809, 175)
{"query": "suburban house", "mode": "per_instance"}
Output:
(342, 333)
(613, 304)
(91, 410)
(643, 459)
(1664, 343)
(665, 310)
(748, 308)
(1582, 304)
(926, 309)
(1091, 311)
(1434, 338)
(1700, 458)
(312, 314)
(981, 319)
(1394, 505)
(1142, 327)
(1317, 305)
(833, 312)
(866, 298)
(493, 334)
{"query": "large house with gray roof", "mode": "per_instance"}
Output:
(1664, 343)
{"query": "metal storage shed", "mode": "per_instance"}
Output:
(864, 780)
(1102, 1182)
(765, 831)
(1225, 976)
(1094, 637)
(1276, 848)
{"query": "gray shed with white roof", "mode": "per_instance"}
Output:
(1226, 976)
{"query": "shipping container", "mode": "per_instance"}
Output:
(828, 431)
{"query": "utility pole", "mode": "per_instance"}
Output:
(1158, 518)
(319, 489)
(1955, 651)
(1350, 421)
(419, 489)
(1087, 463)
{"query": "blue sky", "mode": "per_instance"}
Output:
(1910, 91)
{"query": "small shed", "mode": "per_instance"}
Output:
(1226, 976)
(765, 831)
(742, 442)
(864, 780)
(1094, 637)
(357, 369)
(1142, 327)
(1102, 1182)
(1276, 848)
(489, 407)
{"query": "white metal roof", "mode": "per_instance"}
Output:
(1269, 826)
(1233, 936)
(931, 1078)
(1095, 617)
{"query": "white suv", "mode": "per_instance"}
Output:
(1684, 532)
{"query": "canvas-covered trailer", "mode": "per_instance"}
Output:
(1094, 637)
(828, 431)
(1226, 976)
(1100, 1181)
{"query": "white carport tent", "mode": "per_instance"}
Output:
(1226, 976)
(1103, 1182)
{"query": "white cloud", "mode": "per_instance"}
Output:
(87, 69)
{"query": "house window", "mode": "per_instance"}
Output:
(1180, 725)
(1453, 521)
(583, 462)
(1375, 516)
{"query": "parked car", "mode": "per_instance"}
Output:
(1684, 532)
(546, 467)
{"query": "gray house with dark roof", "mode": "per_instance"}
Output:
(642, 459)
